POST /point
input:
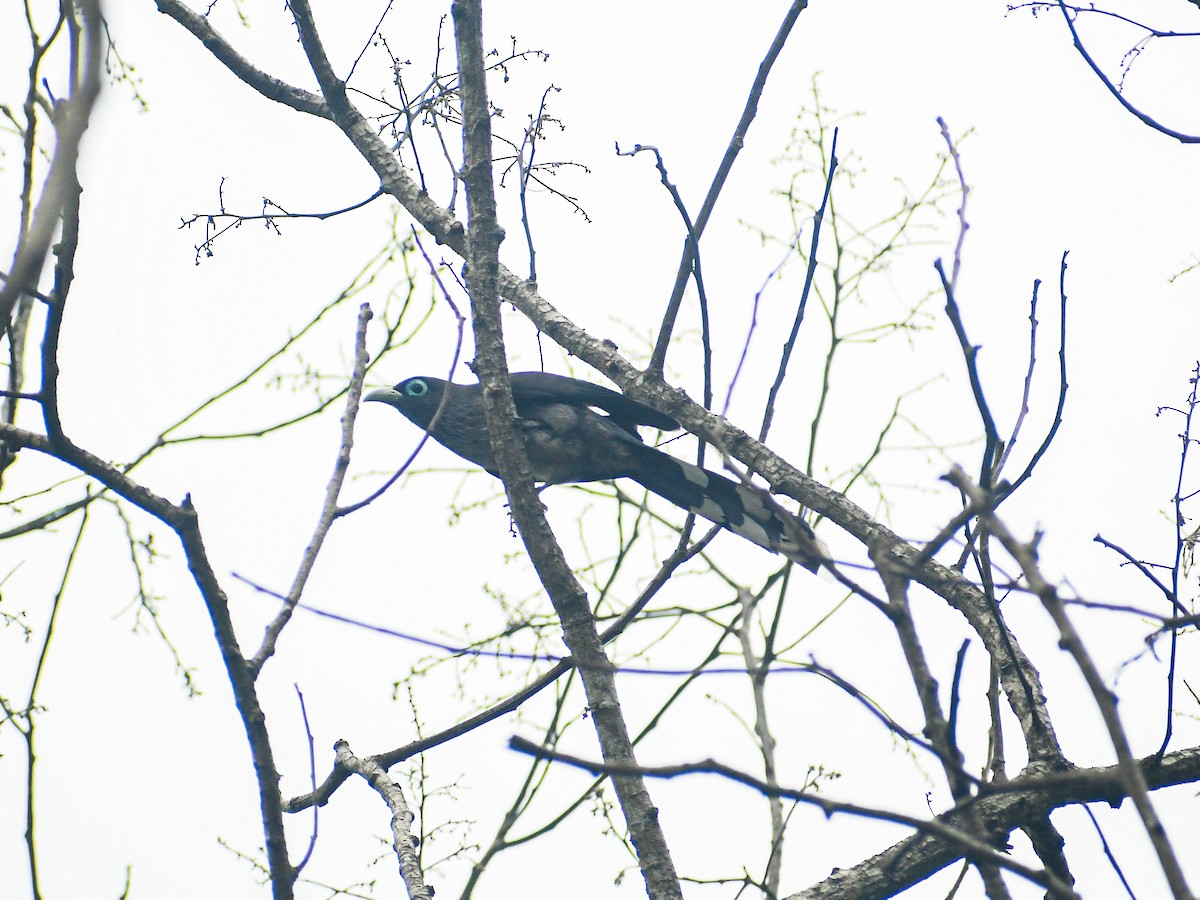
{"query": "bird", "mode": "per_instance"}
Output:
(568, 441)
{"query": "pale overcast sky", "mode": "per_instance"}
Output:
(134, 773)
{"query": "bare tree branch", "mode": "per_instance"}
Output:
(1112, 88)
(1132, 777)
(658, 358)
(402, 817)
(939, 841)
(329, 510)
(270, 87)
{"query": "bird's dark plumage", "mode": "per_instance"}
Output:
(568, 441)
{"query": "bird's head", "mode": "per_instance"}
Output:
(418, 398)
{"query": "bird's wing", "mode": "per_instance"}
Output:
(534, 388)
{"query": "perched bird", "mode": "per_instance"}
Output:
(568, 441)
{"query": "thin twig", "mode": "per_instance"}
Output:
(1112, 88)
(1027, 390)
(691, 251)
(329, 509)
(437, 414)
(267, 85)
(964, 191)
(1171, 596)
(390, 758)
(1177, 500)
(736, 142)
(312, 777)
(790, 344)
(970, 353)
(1062, 380)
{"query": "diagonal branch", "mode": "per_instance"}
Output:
(1132, 778)
(267, 85)
(567, 595)
(184, 521)
(1013, 804)
(1115, 91)
(736, 142)
(403, 842)
(329, 510)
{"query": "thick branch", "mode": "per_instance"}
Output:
(402, 838)
(71, 119)
(267, 85)
(1026, 800)
(185, 523)
(948, 837)
(567, 595)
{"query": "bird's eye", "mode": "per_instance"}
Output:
(416, 388)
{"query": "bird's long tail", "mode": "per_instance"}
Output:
(743, 510)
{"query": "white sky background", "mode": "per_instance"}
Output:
(131, 772)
